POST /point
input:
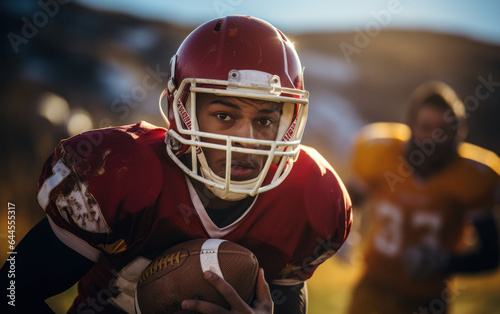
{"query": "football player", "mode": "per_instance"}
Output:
(423, 186)
(114, 198)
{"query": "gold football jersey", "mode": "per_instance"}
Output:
(407, 213)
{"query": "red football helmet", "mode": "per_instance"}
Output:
(238, 56)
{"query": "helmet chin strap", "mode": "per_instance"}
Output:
(208, 173)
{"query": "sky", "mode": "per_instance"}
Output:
(477, 19)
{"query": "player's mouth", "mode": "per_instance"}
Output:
(242, 170)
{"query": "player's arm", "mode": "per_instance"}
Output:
(289, 299)
(423, 262)
(44, 267)
(487, 254)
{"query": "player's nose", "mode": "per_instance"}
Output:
(246, 130)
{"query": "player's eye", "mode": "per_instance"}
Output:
(223, 116)
(265, 121)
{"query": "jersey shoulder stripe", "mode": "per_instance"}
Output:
(480, 155)
(384, 130)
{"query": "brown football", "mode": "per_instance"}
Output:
(177, 275)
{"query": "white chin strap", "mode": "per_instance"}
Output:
(221, 193)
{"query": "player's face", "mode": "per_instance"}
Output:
(430, 124)
(431, 131)
(241, 117)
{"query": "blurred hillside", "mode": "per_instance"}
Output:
(80, 68)
(373, 83)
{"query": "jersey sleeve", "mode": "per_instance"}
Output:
(98, 185)
(328, 213)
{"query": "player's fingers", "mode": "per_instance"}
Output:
(226, 290)
(263, 293)
(202, 307)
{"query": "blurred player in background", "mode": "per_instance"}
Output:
(117, 197)
(422, 189)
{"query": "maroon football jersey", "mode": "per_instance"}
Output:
(114, 196)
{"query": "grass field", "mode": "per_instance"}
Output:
(330, 287)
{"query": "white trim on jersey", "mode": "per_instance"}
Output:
(126, 283)
(212, 230)
(60, 172)
(80, 201)
(75, 243)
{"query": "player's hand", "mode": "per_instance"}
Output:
(263, 303)
(424, 261)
